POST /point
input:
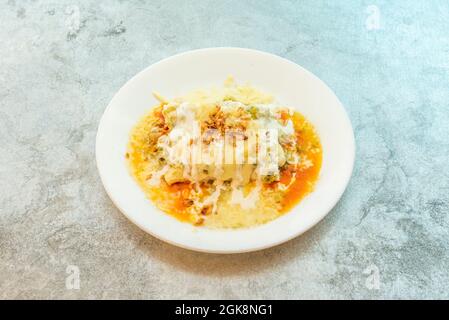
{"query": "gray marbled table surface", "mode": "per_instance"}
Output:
(62, 61)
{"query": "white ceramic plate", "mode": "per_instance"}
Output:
(291, 85)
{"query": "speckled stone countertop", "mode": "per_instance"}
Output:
(61, 63)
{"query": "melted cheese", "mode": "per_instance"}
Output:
(248, 201)
(212, 199)
(156, 176)
(258, 191)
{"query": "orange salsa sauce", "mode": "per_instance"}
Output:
(305, 178)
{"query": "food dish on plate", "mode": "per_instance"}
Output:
(225, 157)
